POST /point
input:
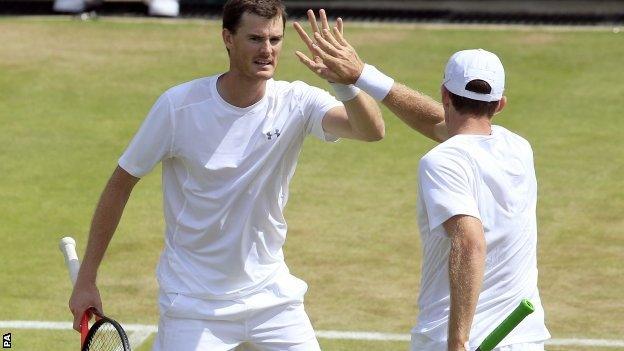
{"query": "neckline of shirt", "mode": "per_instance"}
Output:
(247, 109)
(493, 133)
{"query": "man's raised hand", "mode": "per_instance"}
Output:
(334, 59)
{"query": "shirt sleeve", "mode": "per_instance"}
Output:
(446, 184)
(315, 103)
(153, 142)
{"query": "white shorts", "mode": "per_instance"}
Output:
(268, 320)
(423, 343)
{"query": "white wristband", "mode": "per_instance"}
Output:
(344, 92)
(374, 83)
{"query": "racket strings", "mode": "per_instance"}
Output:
(106, 338)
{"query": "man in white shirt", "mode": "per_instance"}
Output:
(228, 145)
(477, 203)
(477, 217)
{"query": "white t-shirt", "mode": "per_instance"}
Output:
(492, 178)
(226, 172)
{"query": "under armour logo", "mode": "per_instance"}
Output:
(270, 135)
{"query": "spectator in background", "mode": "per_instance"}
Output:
(161, 8)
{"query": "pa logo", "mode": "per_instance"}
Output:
(6, 341)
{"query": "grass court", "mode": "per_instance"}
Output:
(73, 94)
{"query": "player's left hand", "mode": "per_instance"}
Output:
(334, 59)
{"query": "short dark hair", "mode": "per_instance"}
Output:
(465, 105)
(233, 10)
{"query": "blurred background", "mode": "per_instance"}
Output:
(75, 89)
(560, 12)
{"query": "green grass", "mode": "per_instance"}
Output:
(74, 93)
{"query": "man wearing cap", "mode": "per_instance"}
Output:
(477, 217)
(477, 203)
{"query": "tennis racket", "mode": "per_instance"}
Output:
(524, 309)
(105, 334)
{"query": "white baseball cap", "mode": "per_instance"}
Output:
(467, 65)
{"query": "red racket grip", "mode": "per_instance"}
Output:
(84, 327)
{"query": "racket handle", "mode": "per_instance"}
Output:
(67, 245)
(84, 327)
(524, 309)
(68, 248)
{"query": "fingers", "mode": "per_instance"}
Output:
(324, 22)
(328, 60)
(332, 57)
(326, 45)
(303, 35)
(317, 66)
(338, 35)
(97, 310)
(330, 38)
(78, 318)
(312, 20)
(327, 30)
(90, 311)
(332, 35)
(312, 65)
(84, 296)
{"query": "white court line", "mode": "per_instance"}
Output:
(144, 331)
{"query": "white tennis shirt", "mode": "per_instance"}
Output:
(492, 178)
(226, 172)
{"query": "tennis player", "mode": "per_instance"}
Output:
(477, 203)
(228, 145)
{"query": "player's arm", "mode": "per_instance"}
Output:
(105, 220)
(419, 111)
(359, 119)
(337, 61)
(466, 267)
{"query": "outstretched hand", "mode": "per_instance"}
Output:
(333, 58)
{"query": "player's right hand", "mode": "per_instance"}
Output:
(84, 296)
